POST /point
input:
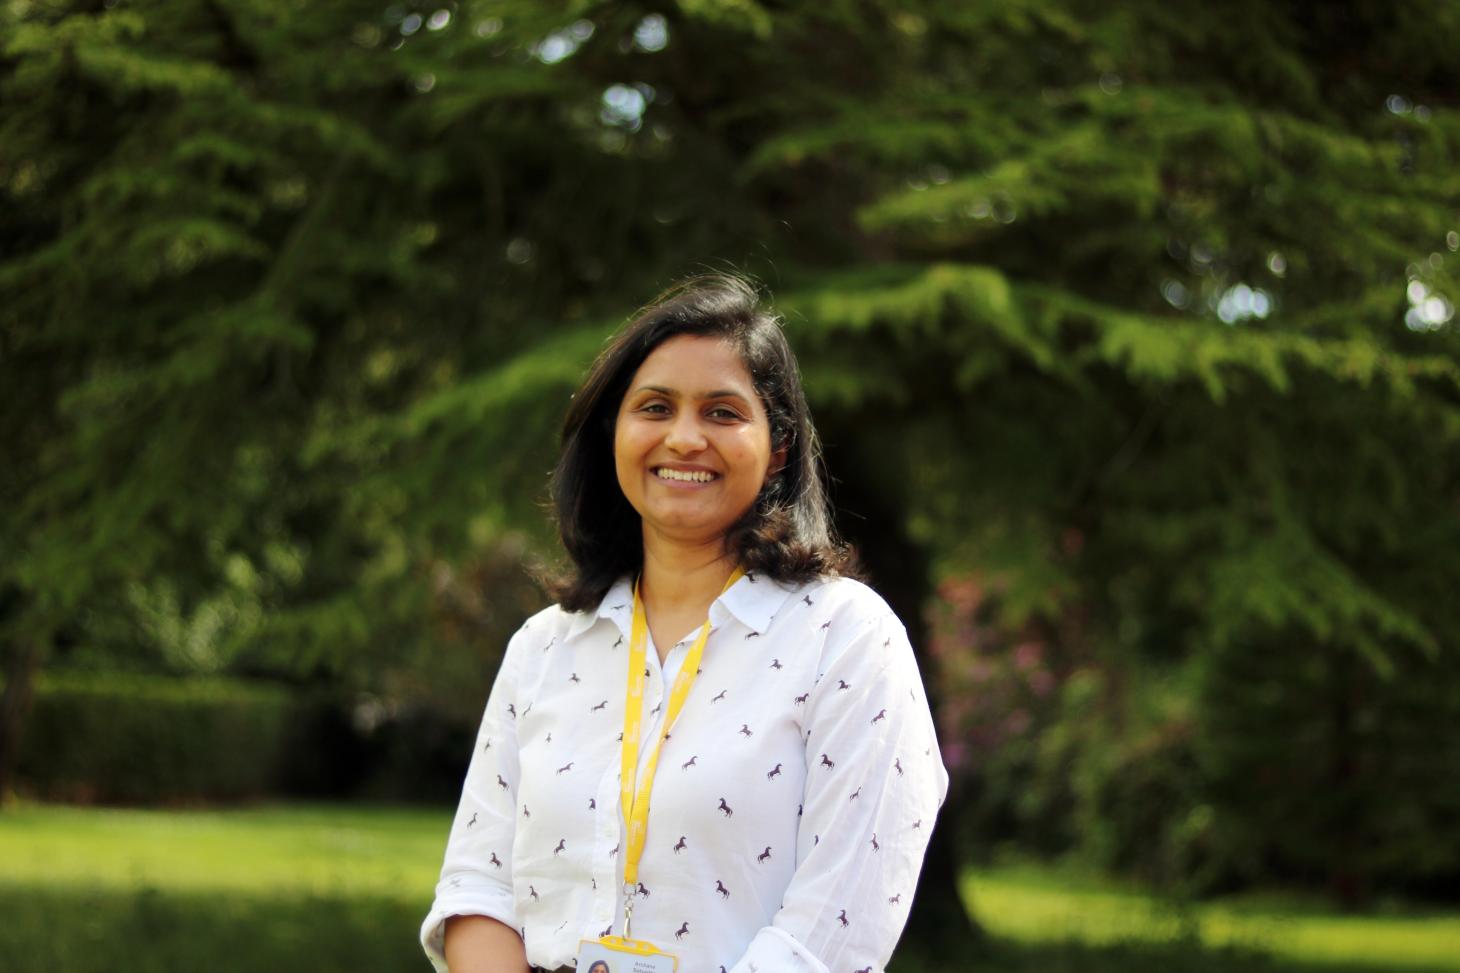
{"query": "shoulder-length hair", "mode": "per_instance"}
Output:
(786, 534)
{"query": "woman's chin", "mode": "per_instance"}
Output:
(681, 528)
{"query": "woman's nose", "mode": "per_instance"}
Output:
(685, 434)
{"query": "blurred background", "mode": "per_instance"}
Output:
(1129, 326)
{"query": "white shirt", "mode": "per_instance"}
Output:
(791, 808)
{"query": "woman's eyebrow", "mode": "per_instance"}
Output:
(716, 394)
(725, 394)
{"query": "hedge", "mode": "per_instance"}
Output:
(148, 739)
(140, 739)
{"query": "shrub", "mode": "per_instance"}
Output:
(142, 739)
(1327, 769)
(145, 739)
(419, 756)
(1260, 759)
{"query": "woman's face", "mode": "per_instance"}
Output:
(692, 444)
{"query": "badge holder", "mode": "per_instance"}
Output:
(622, 954)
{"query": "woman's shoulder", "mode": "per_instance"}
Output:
(846, 600)
(557, 622)
(855, 634)
(551, 622)
(842, 611)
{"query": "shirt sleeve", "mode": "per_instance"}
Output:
(476, 876)
(874, 783)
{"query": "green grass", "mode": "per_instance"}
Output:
(1034, 905)
(313, 888)
(301, 849)
(277, 889)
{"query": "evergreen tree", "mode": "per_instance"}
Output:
(296, 294)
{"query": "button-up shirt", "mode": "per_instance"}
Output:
(791, 808)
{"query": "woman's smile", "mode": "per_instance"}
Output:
(679, 476)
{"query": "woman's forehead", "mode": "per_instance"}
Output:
(697, 366)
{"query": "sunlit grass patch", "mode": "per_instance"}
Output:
(1028, 904)
(321, 849)
(287, 889)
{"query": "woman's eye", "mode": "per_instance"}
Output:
(723, 413)
(656, 408)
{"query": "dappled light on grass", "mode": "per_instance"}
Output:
(1032, 905)
(301, 849)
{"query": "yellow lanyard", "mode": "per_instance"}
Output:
(636, 804)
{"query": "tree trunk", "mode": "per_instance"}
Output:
(940, 931)
(21, 665)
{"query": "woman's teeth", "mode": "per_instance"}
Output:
(696, 476)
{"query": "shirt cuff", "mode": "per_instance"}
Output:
(775, 949)
(493, 905)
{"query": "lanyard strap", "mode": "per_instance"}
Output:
(636, 804)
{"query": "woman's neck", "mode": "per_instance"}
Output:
(679, 577)
(679, 583)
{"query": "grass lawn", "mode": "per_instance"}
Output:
(301, 849)
(281, 889)
(1034, 905)
(313, 888)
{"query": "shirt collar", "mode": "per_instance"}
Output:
(617, 606)
(753, 601)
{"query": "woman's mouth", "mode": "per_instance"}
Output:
(684, 476)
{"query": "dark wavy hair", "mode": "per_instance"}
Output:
(787, 533)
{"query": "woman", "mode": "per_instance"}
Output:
(799, 779)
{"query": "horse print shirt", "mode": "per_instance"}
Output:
(790, 811)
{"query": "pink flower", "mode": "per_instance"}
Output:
(1028, 655)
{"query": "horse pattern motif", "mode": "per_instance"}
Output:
(752, 825)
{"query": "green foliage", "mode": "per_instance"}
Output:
(1143, 312)
(139, 739)
(1065, 758)
(143, 739)
(1360, 794)
(1261, 761)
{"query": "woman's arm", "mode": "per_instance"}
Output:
(874, 783)
(476, 874)
(477, 944)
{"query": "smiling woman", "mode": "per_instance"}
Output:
(707, 339)
(707, 595)
(692, 446)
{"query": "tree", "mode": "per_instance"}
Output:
(305, 288)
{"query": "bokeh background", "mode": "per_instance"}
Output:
(1129, 326)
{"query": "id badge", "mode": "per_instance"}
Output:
(614, 954)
